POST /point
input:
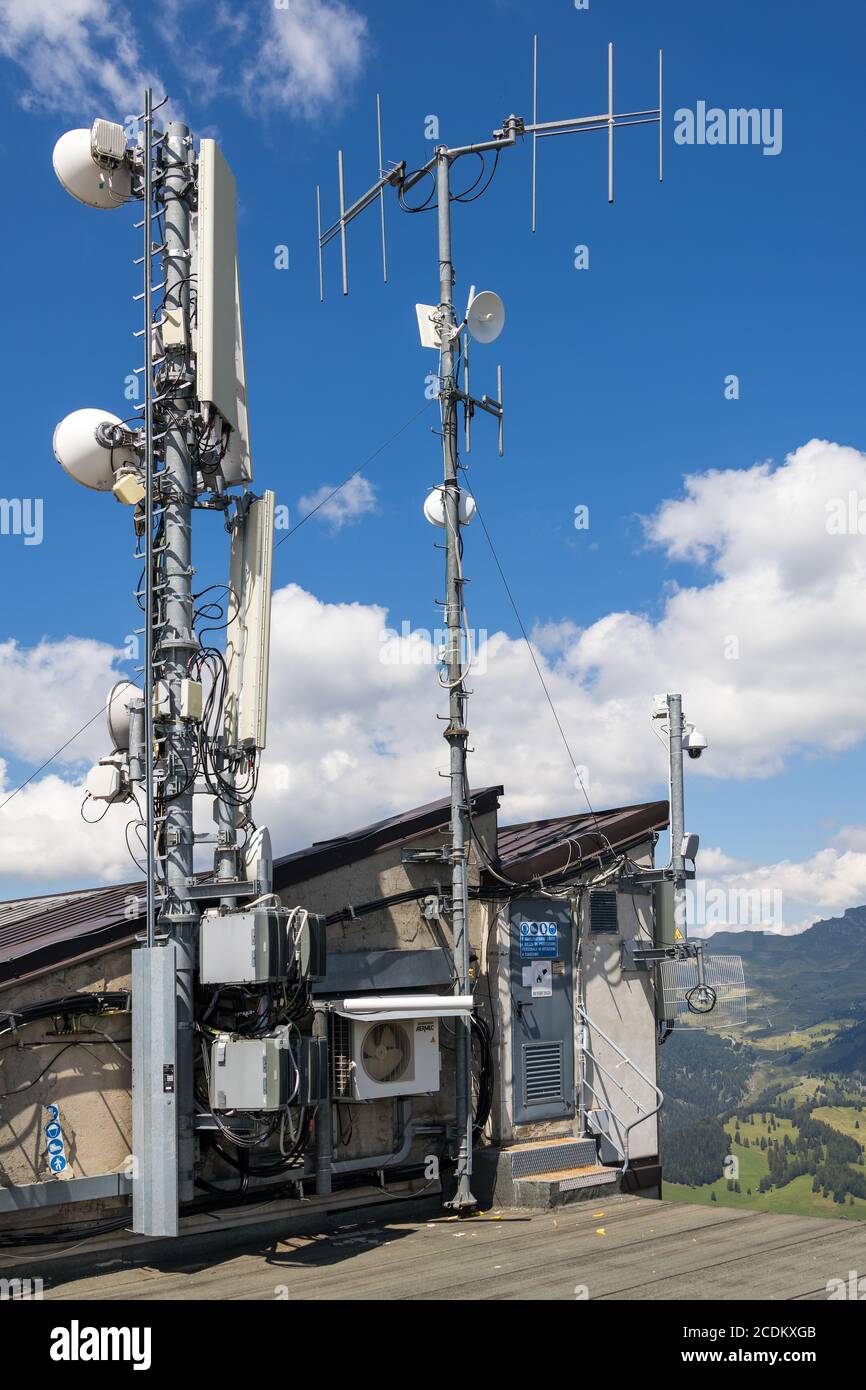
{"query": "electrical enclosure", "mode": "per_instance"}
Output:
(251, 1073)
(240, 948)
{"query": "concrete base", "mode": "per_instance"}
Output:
(494, 1183)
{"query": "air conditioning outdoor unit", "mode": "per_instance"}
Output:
(385, 1046)
(395, 1057)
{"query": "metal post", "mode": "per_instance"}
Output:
(456, 732)
(150, 825)
(178, 642)
(324, 1137)
(675, 731)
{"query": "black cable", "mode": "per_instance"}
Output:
(525, 635)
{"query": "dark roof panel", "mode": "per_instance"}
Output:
(549, 848)
(42, 933)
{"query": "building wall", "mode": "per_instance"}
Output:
(622, 1006)
(85, 1075)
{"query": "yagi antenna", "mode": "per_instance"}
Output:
(393, 177)
(608, 120)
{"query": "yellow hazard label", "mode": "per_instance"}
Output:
(678, 936)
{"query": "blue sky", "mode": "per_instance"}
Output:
(738, 263)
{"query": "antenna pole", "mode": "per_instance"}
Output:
(150, 825)
(456, 733)
(675, 735)
(178, 643)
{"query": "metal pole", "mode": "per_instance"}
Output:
(150, 826)
(178, 642)
(456, 732)
(324, 1136)
(675, 729)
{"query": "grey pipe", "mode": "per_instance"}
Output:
(399, 1155)
(324, 1135)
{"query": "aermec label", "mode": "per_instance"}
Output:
(538, 939)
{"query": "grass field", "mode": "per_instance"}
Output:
(815, 1036)
(843, 1119)
(795, 1198)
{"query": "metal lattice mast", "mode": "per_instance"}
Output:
(150, 809)
(178, 643)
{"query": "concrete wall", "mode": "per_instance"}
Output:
(82, 1073)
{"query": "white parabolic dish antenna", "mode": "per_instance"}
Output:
(80, 454)
(86, 180)
(117, 711)
(485, 317)
(434, 507)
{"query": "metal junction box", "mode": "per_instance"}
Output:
(251, 1073)
(243, 948)
(268, 1073)
(253, 947)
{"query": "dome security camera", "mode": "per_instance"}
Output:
(694, 743)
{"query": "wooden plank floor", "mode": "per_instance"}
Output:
(624, 1248)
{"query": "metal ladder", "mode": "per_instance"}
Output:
(585, 1087)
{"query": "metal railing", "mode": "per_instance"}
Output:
(586, 1053)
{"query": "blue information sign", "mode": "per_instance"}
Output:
(539, 940)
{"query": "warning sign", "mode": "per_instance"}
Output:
(539, 939)
(678, 936)
(542, 980)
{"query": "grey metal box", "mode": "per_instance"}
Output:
(251, 1073)
(313, 948)
(314, 1079)
(246, 947)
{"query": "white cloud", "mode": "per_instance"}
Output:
(45, 842)
(310, 53)
(77, 55)
(339, 508)
(353, 732)
(86, 56)
(48, 691)
(785, 897)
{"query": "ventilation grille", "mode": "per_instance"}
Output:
(542, 1073)
(602, 912)
(341, 1057)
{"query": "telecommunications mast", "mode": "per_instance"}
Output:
(196, 727)
(439, 329)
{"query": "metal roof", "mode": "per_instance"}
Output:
(543, 848)
(324, 855)
(40, 933)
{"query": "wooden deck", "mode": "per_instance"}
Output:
(624, 1248)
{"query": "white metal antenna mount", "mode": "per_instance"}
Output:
(438, 169)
